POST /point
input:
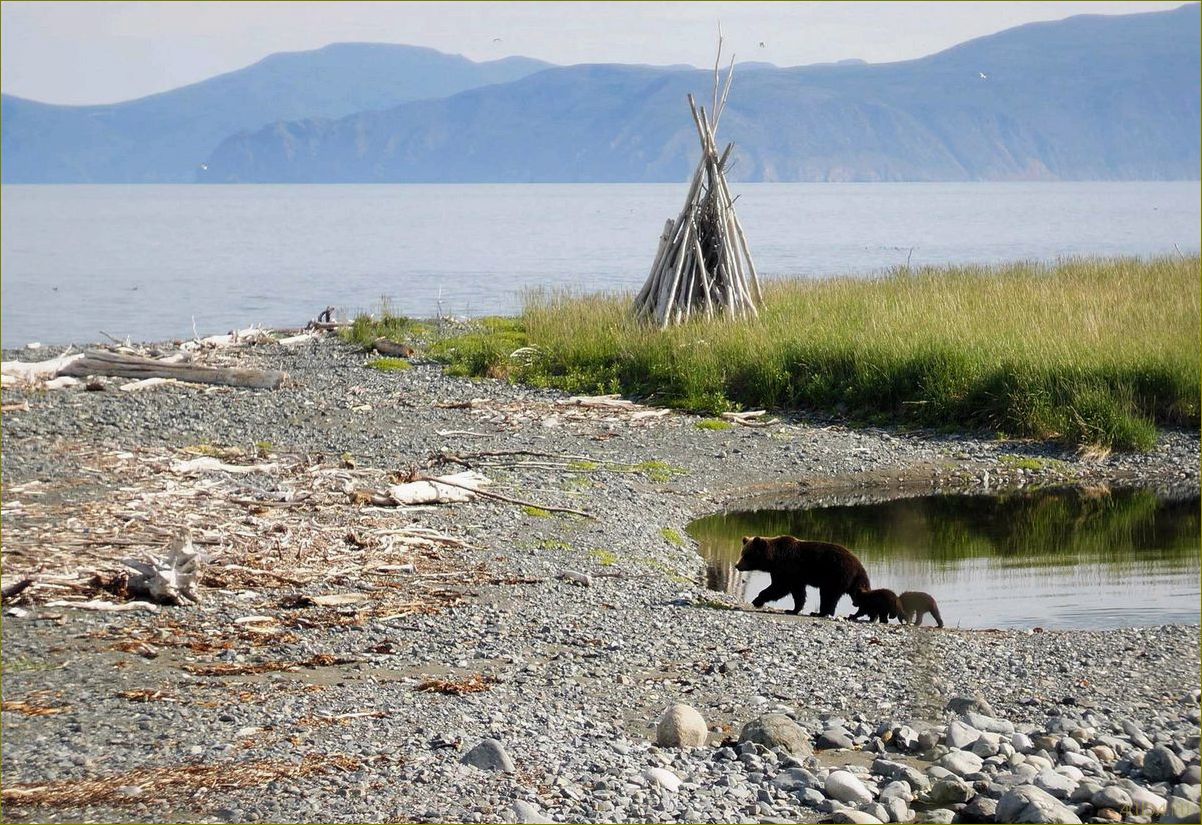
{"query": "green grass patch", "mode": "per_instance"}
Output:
(660, 472)
(389, 364)
(1096, 351)
(714, 424)
(605, 558)
(673, 537)
(366, 328)
(536, 512)
(1032, 463)
(584, 466)
(554, 545)
(487, 350)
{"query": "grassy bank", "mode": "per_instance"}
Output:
(1091, 351)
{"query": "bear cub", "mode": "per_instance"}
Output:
(915, 603)
(793, 565)
(878, 605)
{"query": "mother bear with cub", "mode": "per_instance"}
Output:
(793, 565)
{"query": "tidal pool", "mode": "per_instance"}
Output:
(1085, 558)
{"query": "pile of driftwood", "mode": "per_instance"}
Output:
(703, 264)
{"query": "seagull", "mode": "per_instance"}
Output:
(761, 44)
(496, 40)
(983, 76)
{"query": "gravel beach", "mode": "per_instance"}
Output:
(490, 661)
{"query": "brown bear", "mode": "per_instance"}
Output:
(878, 605)
(794, 564)
(915, 603)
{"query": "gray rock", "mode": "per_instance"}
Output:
(681, 726)
(1084, 791)
(662, 777)
(960, 735)
(985, 747)
(905, 738)
(1192, 775)
(854, 816)
(986, 722)
(1111, 796)
(526, 812)
(834, 738)
(896, 790)
(1056, 784)
(961, 763)
(876, 810)
(845, 787)
(979, 809)
(897, 809)
(966, 704)
(945, 791)
(794, 780)
(1190, 792)
(1027, 803)
(490, 756)
(928, 739)
(1181, 810)
(1161, 764)
(1022, 743)
(1137, 736)
(812, 797)
(889, 769)
(1143, 801)
(939, 816)
(775, 730)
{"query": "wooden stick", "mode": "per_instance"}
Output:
(549, 508)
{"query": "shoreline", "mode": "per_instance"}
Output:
(580, 671)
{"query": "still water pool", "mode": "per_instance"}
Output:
(1087, 558)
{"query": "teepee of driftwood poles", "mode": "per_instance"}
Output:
(703, 264)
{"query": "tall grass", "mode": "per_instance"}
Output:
(1090, 351)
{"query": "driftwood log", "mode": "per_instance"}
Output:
(99, 362)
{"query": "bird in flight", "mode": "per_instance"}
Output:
(983, 76)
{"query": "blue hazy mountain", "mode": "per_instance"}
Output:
(1089, 97)
(165, 137)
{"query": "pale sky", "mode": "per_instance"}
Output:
(103, 52)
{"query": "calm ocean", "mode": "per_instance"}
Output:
(155, 262)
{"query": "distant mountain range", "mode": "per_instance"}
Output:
(164, 138)
(1090, 97)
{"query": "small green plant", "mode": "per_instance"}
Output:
(658, 471)
(390, 365)
(717, 424)
(713, 604)
(554, 545)
(264, 448)
(25, 664)
(536, 512)
(672, 537)
(605, 558)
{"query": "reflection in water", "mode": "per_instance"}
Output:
(1064, 558)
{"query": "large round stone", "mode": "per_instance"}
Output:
(775, 730)
(845, 787)
(680, 726)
